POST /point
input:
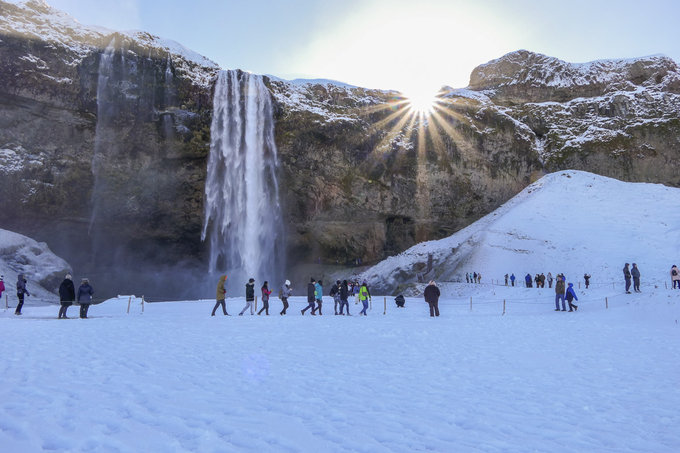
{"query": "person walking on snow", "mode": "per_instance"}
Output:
(431, 295)
(344, 296)
(67, 294)
(626, 277)
(364, 297)
(286, 292)
(250, 296)
(635, 273)
(335, 294)
(527, 280)
(85, 293)
(318, 295)
(559, 293)
(550, 279)
(21, 291)
(675, 277)
(586, 277)
(310, 297)
(2, 284)
(220, 296)
(265, 299)
(512, 279)
(571, 295)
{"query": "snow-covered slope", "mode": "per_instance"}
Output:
(43, 269)
(571, 222)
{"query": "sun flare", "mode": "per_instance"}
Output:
(421, 101)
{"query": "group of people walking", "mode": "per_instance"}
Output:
(67, 294)
(340, 292)
(473, 277)
(635, 274)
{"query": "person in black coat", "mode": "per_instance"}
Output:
(85, 293)
(311, 298)
(250, 296)
(432, 294)
(67, 294)
(344, 297)
(21, 291)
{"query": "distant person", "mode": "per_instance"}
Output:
(527, 280)
(675, 277)
(286, 292)
(571, 295)
(559, 293)
(400, 301)
(335, 294)
(626, 277)
(537, 279)
(67, 294)
(586, 277)
(550, 279)
(506, 279)
(542, 279)
(2, 284)
(479, 277)
(467, 277)
(474, 277)
(512, 279)
(318, 296)
(221, 296)
(85, 293)
(635, 273)
(21, 292)
(311, 288)
(265, 299)
(431, 295)
(364, 297)
(344, 298)
(250, 296)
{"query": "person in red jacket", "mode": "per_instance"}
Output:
(432, 294)
(265, 299)
(2, 284)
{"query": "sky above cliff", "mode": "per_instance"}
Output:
(392, 44)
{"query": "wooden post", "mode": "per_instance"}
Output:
(129, 301)
(142, 304)
(606, 303)
(6, 302)
(666, 283)
(470, 303)
(385, 312)
(579, 285)
(503, 306)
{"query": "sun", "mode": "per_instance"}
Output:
(421, 100)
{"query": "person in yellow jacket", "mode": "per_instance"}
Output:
(221, 295)
(364, 297)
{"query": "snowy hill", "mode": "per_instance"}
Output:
(571, 222)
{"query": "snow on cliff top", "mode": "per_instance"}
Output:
(569, 221)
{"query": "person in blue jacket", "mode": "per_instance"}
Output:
(85, 293)
(512, 279)
(527, 280)
(318, 295)
(571, 295)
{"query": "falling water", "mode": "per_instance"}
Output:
(242, 213)
(101, 139)
(166, 116)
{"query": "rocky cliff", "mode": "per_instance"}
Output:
(104, 139)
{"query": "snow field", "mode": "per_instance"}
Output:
(176, 379)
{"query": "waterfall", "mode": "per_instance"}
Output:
(242, 214)
(104, 116)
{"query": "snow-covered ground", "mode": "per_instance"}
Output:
(175, 379)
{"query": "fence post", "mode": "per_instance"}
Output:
(129, 302)
(6, 302)
(606, 303)
(385, 312)
(579, 285)
(470, 303)
(666, 283)
(503, 306)
(251, 306)
(142, 304)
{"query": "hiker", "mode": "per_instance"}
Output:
(318, 295)
(67, 294)
(432, 294)
(2, 284)
(335, 294)
(21, 291)
(527, 280)
(364, 296)
(265, 299)
(635, 273)
(220, 297)
(571, 295)
(344, 296)
(626, 276)
(506, 279)
(400, 301)
(550, 279)
(559, 293)
(586, 277)
(512, 279)
(85, 293)
(250, 296)
(675, 277)
(310, 297)
(286, 292)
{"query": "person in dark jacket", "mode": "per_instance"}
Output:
(400, 301)
(432, 294)
(21, 292)
(286, 292)
(335, 294)
(626, 277)
(250, 296)
(220, 297)
(344, 297)
(311, 299)
(85, 293)
(571, 295)
(635, 273)
(559, 293)
(265, 299)
(586, 277)
(527, 280)
(67, 294)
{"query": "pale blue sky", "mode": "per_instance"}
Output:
(392, 43)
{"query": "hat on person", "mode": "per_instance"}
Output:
(84, 280)
(68, 277)
(251, 280)
(287, 282)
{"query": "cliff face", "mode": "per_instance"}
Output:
(104, 139)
